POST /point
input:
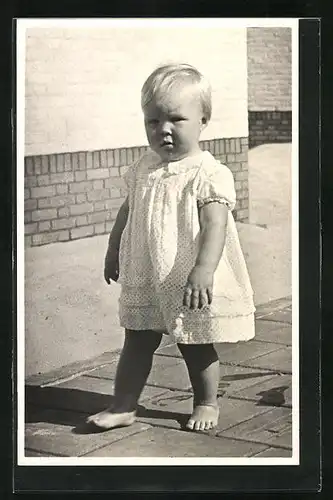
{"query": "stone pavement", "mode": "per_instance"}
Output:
(254, 397)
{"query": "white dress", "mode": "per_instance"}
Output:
(159, 247)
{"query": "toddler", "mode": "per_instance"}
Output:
(174, 249)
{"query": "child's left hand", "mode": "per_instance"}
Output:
(199, 288)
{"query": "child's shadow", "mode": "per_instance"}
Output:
(71, 407)
(142, 413)
(273, 397)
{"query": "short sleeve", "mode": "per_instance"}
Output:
(128, 174)
(216, 184)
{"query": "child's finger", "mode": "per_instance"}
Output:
(195, 299)
(210, 295)
(203, 299)
(187, 297)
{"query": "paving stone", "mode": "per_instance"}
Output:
(282, 316)
(71, 369)
(280, 360)
(234, 378)
(105, 386)
(268, 331)
(174, 376)
(284, 438)
(169, 350)
(244, 351)
(273, 306)
(274, 452)
(173, 410)
(83, 394)
(159, 442)
(276, 391)
(33, 453)
(260, 428)
(48, 437)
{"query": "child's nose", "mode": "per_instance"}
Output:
(165, 128)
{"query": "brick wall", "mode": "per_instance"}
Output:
(269, 85)
(76, 195)
(269, 127)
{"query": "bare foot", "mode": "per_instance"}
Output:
(111, 418)
(203, 418)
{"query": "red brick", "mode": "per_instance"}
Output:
(98, 184)
(99, 194)
(96, 159)
(82, 161)
(62, 178)
(45, 238)
(100, 228)
(68, 162)
(130, 156)
(43, 180)
(109, 225)
(116, 155)
(30, 204)
(81, 220)
(82, 232)
(82, 208)
(80, 187)
(114, 182)
(80, 175)
(110, 158)
(50, 213)
(89, 159)
(62, 188)
(75, 161)
(98, 217)
(29, 166)
(81, 198)
(60, 163)
(115, 193)
(240, 176)
(30, 181)
(103, 159)
(44, 226)
(27, 241)
(114, 172)
(114, 203)
(27, 217)
(53, 164)
(63, 223)
(63, 212)
(37, 165)
(45, 164)
(43, 192)
(99, 205)
(100, 173)
(56, 201)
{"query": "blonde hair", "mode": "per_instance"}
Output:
(163, 78)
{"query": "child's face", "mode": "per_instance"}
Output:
(174, 123)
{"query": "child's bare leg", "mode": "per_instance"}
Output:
(203, 366)
(132, 372)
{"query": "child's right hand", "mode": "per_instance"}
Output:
(111, 265)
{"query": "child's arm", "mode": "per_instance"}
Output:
(111, 264)
(199, 287)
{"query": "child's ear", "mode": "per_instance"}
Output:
(203, 122)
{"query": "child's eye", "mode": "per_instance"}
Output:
(177, 119)
(152, 121)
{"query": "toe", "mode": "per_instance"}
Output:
(202, 426)
(208, 426)
(190, 424)
(197, 426)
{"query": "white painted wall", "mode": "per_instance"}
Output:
(82, 86)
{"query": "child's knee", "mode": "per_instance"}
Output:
(198, 352)
(143, 340)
